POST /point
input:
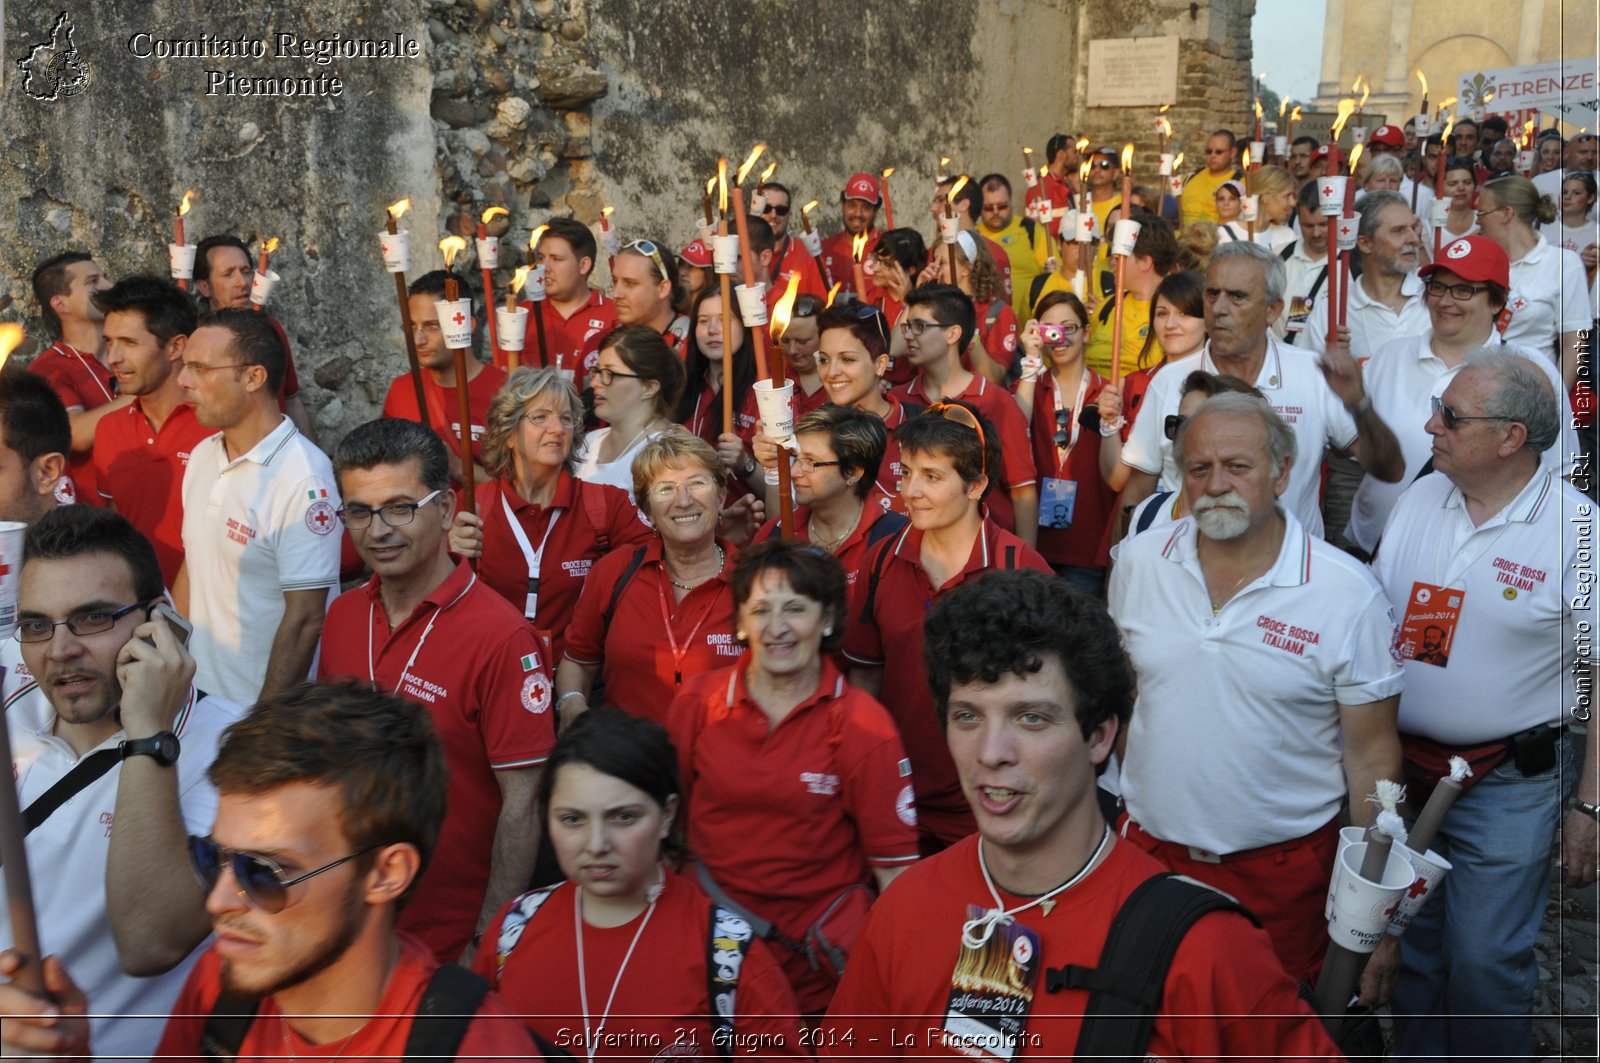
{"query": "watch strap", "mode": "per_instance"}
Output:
(152, 747)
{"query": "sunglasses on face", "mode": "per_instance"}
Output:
(1104, 164)
(261, 882)
(1453, 420)
(780, 209)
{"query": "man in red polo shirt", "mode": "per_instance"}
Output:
(426, 628)
(140, 451)
(789, 255)
(223, 274)
(644, 286)
(939, 323)
(439, 382)
(74, 364)
(859, 206)
(575, 315)
(1059, 174)
(949, 465)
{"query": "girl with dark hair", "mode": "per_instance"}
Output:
(1461, 188)
(637, 382)
(780, 748)
(700, 408)
(618, 957)
(895, 266)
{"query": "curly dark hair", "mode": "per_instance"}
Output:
(1005, 622)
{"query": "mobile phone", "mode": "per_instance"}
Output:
(180, 627)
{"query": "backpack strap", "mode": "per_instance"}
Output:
(594, 506)
(67, 787)
(727, 944)
(1147, 516)
(887, 524)
(448, 1007)
(518, 914)
(1105, 310)
(1009, 559)
(622, 582)
(992, 315)
(226, 1027)
(1036, 290)
(1125, 990)
(1288, 250)
(874, 574)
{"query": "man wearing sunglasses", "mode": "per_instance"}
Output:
(1464, 292)
(1022, 239)
(1198, 201)
(113, 774)
(789, 255)
(425, 628)
(1499, 552)
(330, 803)
(260, 539)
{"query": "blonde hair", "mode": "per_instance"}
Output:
(509, 405)
(1523, 197)
(1269, 181)
(1195, 244)
(672, 449)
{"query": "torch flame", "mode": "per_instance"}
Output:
(1258, 106)
(785, 306)
(858, 246)
(944, 160)
(1294, 115)
(833, 293)
(766, 175)
(711, 184)
(1127, 157)
(722, 185)
(533, 240)
(1423, 79)
(1177, 163)
(1283, 105)
(451, 246)
(1083, 142)
(398, 208)
(1347, 107)
(1083, 170)
(1028, 152)
(183, 208)
(961, 183)
(1366, 90)
(1244, 160)
(1527, 134)
(1163, 108)
(10, 339)
(1355, 86)
(1449, 127)
(749, 163)
(489, 214)
(1165, 126)
(606, 212)
(1447, 102)
(1355, 157)
(887, 173)
(519, 279)
(270, 246)
(809, 207)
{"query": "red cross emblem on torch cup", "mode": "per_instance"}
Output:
(5, 570)
(1327, 190)
(1418, 888)
(458, 318)
(1344, 230)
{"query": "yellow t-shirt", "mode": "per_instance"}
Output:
(1135, 326)
(1199, 199)
(1027, 259)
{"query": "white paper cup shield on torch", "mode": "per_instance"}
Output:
(511, 319)
(1123, 236)
(1250, 208)
(725, 253)
(1349, 228)
(455, 315)
(752, 304)
(1330, 195)
(180, 257)
(488, 252)
(396, 246)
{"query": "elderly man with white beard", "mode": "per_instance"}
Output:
(1268, 686)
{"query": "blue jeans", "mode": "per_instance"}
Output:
(1467, 970)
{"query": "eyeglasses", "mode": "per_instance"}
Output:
(1173, 424)
(780, 209)
(541, 419)
(1482, 214)
(806, 465)
(954, 411)
(653, 253)
(1453, 420)
(88, 622)
(1459, 292)
(261, 882)
(606, 377)
(395, 514)
(912, 327)
(201, 367)
(697, 485)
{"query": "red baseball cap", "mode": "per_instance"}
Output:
(1390, 136)
(697, 254)
(1476, 259)
(863, 186)
(1321, 154)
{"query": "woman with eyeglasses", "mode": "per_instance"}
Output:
(1055, 392)
(652, 615)
(637, 382)
(1461, 186)
(538, 529)
(627, 953)
(700, 408)
(644, 287)
(895, 266)
(1549, 282)
(819, 777)
(838, 504)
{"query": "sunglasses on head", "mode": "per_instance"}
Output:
(261, 881)
(653, 253)
(864, 311)
(1172, 424)
(954, 411)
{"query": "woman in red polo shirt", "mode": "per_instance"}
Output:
(798, 792)
(538, 529)
(615, 961)
(653, 614)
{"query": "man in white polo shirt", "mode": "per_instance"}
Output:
(113, 778)
(1499, 554)
(1464, 291)
(260, 531)
(1321, 399)
(1305, 263)
(1267, 683)
(1386, 301)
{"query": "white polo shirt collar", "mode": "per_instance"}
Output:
(1523, 509)
(1291, 568)
(270, 446)
(1271, 376)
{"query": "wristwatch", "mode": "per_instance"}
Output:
(1361, 407)
(161, 747)
(1592, 811)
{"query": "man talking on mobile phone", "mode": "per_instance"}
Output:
(114, 779)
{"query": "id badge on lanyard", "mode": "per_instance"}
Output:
(534, 558)
(1058, 496)
(991, 993)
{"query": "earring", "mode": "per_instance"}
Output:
(740, 636)
(827, 631)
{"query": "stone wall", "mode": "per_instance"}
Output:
(540, 106)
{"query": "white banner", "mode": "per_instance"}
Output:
(1568, 90)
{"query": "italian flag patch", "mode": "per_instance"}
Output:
(316, 493)
(530, 662)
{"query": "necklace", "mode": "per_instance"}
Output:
(288, 1043)
(832, 544)
(589, 1038)
(636, 437)
(721, 560)
(1216, 606)
(975, 933)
